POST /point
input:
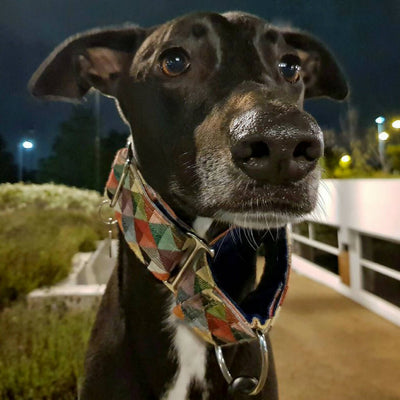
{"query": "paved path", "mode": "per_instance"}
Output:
(329, 348)
(326, 346)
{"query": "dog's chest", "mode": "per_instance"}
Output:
(191, 356)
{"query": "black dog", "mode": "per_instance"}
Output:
(215, 103)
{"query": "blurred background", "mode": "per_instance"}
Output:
(51, 185)
(362, 34)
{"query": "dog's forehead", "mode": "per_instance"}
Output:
(217, 29)
(201, 24)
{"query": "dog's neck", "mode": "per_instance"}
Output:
(202, 275)
(160, 240)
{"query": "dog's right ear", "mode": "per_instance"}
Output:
(93, 59)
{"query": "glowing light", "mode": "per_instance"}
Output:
(27, 144)
(383, 136)
(345, 161)
(380, 120)
(396, 124)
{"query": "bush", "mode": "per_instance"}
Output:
(48, 196)
(393, 153)
(42, 352)
(43, 226)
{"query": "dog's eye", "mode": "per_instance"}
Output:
(174, 62)
(289, 67)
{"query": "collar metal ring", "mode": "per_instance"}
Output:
(108, 220)
(264, 365)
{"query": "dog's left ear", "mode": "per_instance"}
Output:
(321, 74)
(96, 58)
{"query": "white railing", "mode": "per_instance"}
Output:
(359, 212)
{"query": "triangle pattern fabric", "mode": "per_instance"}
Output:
(151, 228)
(157, 230)
(143, 234)
(167, 241)
(139, 212)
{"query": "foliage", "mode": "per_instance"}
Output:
(72, 161)
(8, 169)
(332, 154)
(109, 146)
(73, 158)
(41, 231)
(42, 352)
(393, 153)
(47, 197)
(364, 158)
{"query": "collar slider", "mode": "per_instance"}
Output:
(195, 247)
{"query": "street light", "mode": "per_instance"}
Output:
(382, 136)
(23, 145)
(345, 161)
(27, 144)
(396, 124)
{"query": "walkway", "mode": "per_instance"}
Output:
(329, 348)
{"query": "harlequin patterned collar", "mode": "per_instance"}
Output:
(199, 275)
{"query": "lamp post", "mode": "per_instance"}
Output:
(97, 140)
(382, 138)
(23, 145)
(396, 124)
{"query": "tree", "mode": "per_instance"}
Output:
(8, 168)
(73, 158)
(393, 153)
(332, 154)
(109, 146)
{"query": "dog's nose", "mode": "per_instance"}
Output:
(278, 158)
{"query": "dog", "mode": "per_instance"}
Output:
(215, 106)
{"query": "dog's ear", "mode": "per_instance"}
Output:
(321, 74)
(92, 59)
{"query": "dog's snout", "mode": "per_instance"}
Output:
(277, 158)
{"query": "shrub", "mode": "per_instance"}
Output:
(42, 352)
(42, 227)
(48, 196)
(393, 152)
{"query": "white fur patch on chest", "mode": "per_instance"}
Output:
(191, 354)
(190, 350)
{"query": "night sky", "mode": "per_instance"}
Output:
(363, 34)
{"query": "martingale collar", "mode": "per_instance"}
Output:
(152, 229)
(199, 274)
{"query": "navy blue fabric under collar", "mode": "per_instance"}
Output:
(234, 269)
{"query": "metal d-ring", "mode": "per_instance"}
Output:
(109, 220)
(258, 383)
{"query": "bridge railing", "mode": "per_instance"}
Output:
(352, 242)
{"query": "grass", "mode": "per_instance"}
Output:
(36, 247)
(42, 348)
(43, 226)
(42, 352)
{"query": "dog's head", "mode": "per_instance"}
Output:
(215, 103)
